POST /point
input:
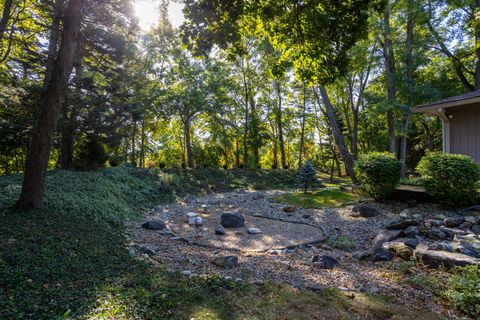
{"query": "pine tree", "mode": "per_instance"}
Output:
(307, 176)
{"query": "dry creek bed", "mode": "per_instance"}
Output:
(191, 251)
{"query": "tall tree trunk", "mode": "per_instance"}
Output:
(254, 133)
(389, 61)
(53, 41)
(302, 133)
(188, 142)
(7, 8)
(280, 126)
(68, 123)
(133, 155)
(46, 121)
(142, 145)
(409, 74)
(337, 134)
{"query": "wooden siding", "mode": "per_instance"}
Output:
(465, 130)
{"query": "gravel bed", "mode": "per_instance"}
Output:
(293, 266)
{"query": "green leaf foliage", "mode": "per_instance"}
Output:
(378, 174)
(464, 290)
(451, 179)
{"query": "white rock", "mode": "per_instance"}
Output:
(186, 273)
(254, 231)
(190, 215)
(198, 221)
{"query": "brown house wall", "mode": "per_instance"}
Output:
(465, 130)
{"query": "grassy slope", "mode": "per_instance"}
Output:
(69, 260)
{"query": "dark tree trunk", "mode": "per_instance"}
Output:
(302, 133)
(7, 8)
(337, 134)
(280, 127)
(133, 156)
(389, 61)
(409, 76)
(142, 145)
(49, 110)
(53, 41)
(188, 142)
(68, 124)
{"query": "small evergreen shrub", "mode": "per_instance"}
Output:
(378, 174)
(307, 175)
(464, 290)
(451, 179)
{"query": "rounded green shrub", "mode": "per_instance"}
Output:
(378, 174)
(451, 179)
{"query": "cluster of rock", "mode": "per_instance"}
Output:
(441, 241)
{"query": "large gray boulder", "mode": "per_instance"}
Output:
(232, 220)
(402, 224)
(453, 221)
(362, 210)
(400, 249)
(154, 225)
(436, 259)
(374, 254)
(225, 261)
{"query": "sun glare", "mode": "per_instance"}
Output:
(147, 12)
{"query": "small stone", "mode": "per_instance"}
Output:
(154, 225)
(289, 208)
(472, 219)
(361, 210)
(442, 246)
(325, 262)
(411, 242)
(453, 221)
(254, 231)
(467, 249)
(189, 217)
(198, 221)
(374, 254)
(434, 222)
(186, 273)
(417, 216)
(220, 230)
(439, 217)
(158, 209)
(402, 224)
(436, 234)
(147, 249)
(476, 229)
(405, 214)
(411, 232)
(225, 261)
(306, 216)
(315, 287)
(465, 226)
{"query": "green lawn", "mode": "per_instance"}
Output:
(70, 261)
(318, 199)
